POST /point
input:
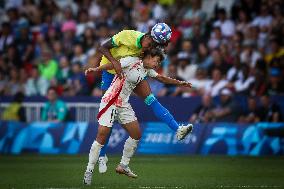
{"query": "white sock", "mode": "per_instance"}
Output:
(130, 146)
(94, 155)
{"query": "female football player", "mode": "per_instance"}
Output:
(133, 43)
(115, 106)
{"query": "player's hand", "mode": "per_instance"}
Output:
(118, 69)
(89, 70)
(185, 84)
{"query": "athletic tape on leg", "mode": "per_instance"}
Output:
(161, 112)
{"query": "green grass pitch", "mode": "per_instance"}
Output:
(158, 172)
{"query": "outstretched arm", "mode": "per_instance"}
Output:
(168, 80)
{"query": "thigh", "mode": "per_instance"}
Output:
(125, 114)
(142, 89)
(133, 129)
(108, 117)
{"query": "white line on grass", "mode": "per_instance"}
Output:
(248, 186)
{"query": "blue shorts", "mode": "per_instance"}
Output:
(106, 80)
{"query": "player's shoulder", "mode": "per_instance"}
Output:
(128, 61)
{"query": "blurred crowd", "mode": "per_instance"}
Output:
(48, 43)
(236, 46)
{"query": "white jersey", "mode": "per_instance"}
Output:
(134, 72)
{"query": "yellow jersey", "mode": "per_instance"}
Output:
(125, 43)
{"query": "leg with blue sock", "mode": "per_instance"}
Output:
(143, 90)
(164, 115)
(102, 161)
(161, 112)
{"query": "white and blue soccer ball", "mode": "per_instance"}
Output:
(161, 33)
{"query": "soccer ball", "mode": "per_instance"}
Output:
(161, 33)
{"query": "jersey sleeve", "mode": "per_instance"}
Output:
(128, 38)
(152, 73)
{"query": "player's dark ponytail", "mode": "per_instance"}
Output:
(153, 52)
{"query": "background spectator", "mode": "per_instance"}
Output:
(227, 110)
(269, 111)
(6, 37)
(54, 109)
(214, 86)
(275, 84)
(252, 115)
(226, 25)
(203, 114)
(36, 85)
(243, 84)
(79, 56)
(171, 90)
(47, 66)
(15, 111)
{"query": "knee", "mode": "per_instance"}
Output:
(95, 145)
(137, 136)
(101, 139)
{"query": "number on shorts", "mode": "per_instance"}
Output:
(112, 115)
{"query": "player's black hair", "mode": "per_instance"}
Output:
(154, 52)
(155, 44)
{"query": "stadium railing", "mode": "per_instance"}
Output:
(83, 112)
(85, 108)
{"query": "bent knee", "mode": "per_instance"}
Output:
(139, 136)
(136, 136)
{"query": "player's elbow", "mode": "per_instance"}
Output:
(105, 46)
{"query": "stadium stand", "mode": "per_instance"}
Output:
(50, 43)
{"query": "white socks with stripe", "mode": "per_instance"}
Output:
(94, 155)
(129, 149)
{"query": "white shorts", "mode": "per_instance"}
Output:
(123, 115)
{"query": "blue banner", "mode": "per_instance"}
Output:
(75, 137)
(158, 138)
